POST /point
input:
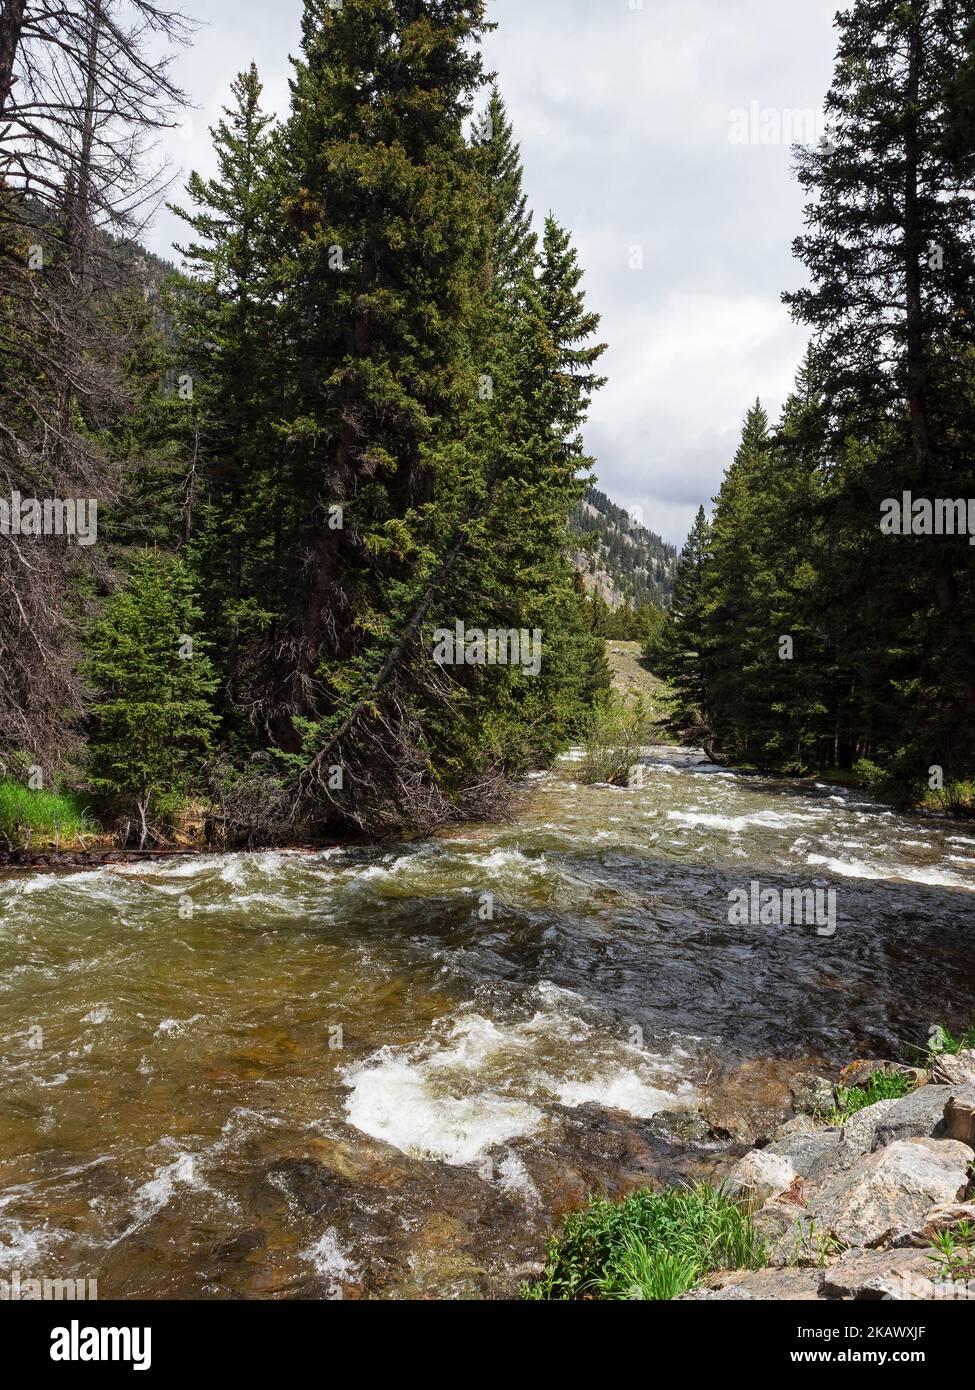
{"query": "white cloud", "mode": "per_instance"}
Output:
(622, 115)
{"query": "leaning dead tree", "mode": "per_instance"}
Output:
(84, 93)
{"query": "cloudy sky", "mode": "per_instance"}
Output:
(623, 110)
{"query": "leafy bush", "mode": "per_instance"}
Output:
(613, 738)
(650, 1246)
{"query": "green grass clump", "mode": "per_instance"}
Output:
(943, 1041)
(652, 1245)
(882, 1085)
(26, 815)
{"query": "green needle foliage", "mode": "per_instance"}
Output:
(152, 720)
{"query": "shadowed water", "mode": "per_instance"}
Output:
(386, 1070)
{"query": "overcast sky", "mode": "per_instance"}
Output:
(623, 113)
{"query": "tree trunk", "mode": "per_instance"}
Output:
(11, 26)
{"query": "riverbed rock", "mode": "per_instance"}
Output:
(679, 1127)
(878, 1274)
(812, 1155)
(956, 1069)
(960, 1116)
(891, 1189)
(812, 1094)
(759, 1176)
(921, 1115)
(860, 1130)
(792, 1285)
(948, 1217)
(859, 1073)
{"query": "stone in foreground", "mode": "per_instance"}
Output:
(891, 1190)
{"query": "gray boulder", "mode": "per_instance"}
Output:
(860, 1130)
(759, 1176)
(921, 1115)
(812, 1155)
(812, 1094)
(891, 1189)
(902, 1275)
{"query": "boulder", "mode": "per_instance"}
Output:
(891, 1189)
(799, 1124)
(956, 1069)
(787, 1285)
(759, 1176)
(859, 1132)
(960, 1116)
(921, 1115)
(813, 1156)
(812, 1094)
(938, 1220)
(875, 1274)
(791, 1239)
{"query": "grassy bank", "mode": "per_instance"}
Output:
(652, 1245)
(29, 819)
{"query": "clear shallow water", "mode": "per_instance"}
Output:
(330, 1074)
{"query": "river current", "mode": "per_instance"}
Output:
(386, 1071)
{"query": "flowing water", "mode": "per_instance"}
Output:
(386, 1071)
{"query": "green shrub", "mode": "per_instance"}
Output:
(613, 738)
(882, 1085)
(650, 1246)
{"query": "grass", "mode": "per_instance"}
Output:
(27, 816)
(881, 1085)
(652, 1246)
(943, 1041)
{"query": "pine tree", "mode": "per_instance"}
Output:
(229, 353)
(151, 718)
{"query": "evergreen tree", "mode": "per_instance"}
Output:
(151, 718)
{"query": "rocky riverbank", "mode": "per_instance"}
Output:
(882, 1206)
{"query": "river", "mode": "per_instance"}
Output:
(386, 1071)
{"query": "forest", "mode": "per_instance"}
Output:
(351, 419)
(809, 632)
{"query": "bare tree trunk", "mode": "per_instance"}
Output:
(11, 26)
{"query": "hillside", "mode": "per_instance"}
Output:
(621, 560)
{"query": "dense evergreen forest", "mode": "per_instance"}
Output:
(824, 616)
(349, 423)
